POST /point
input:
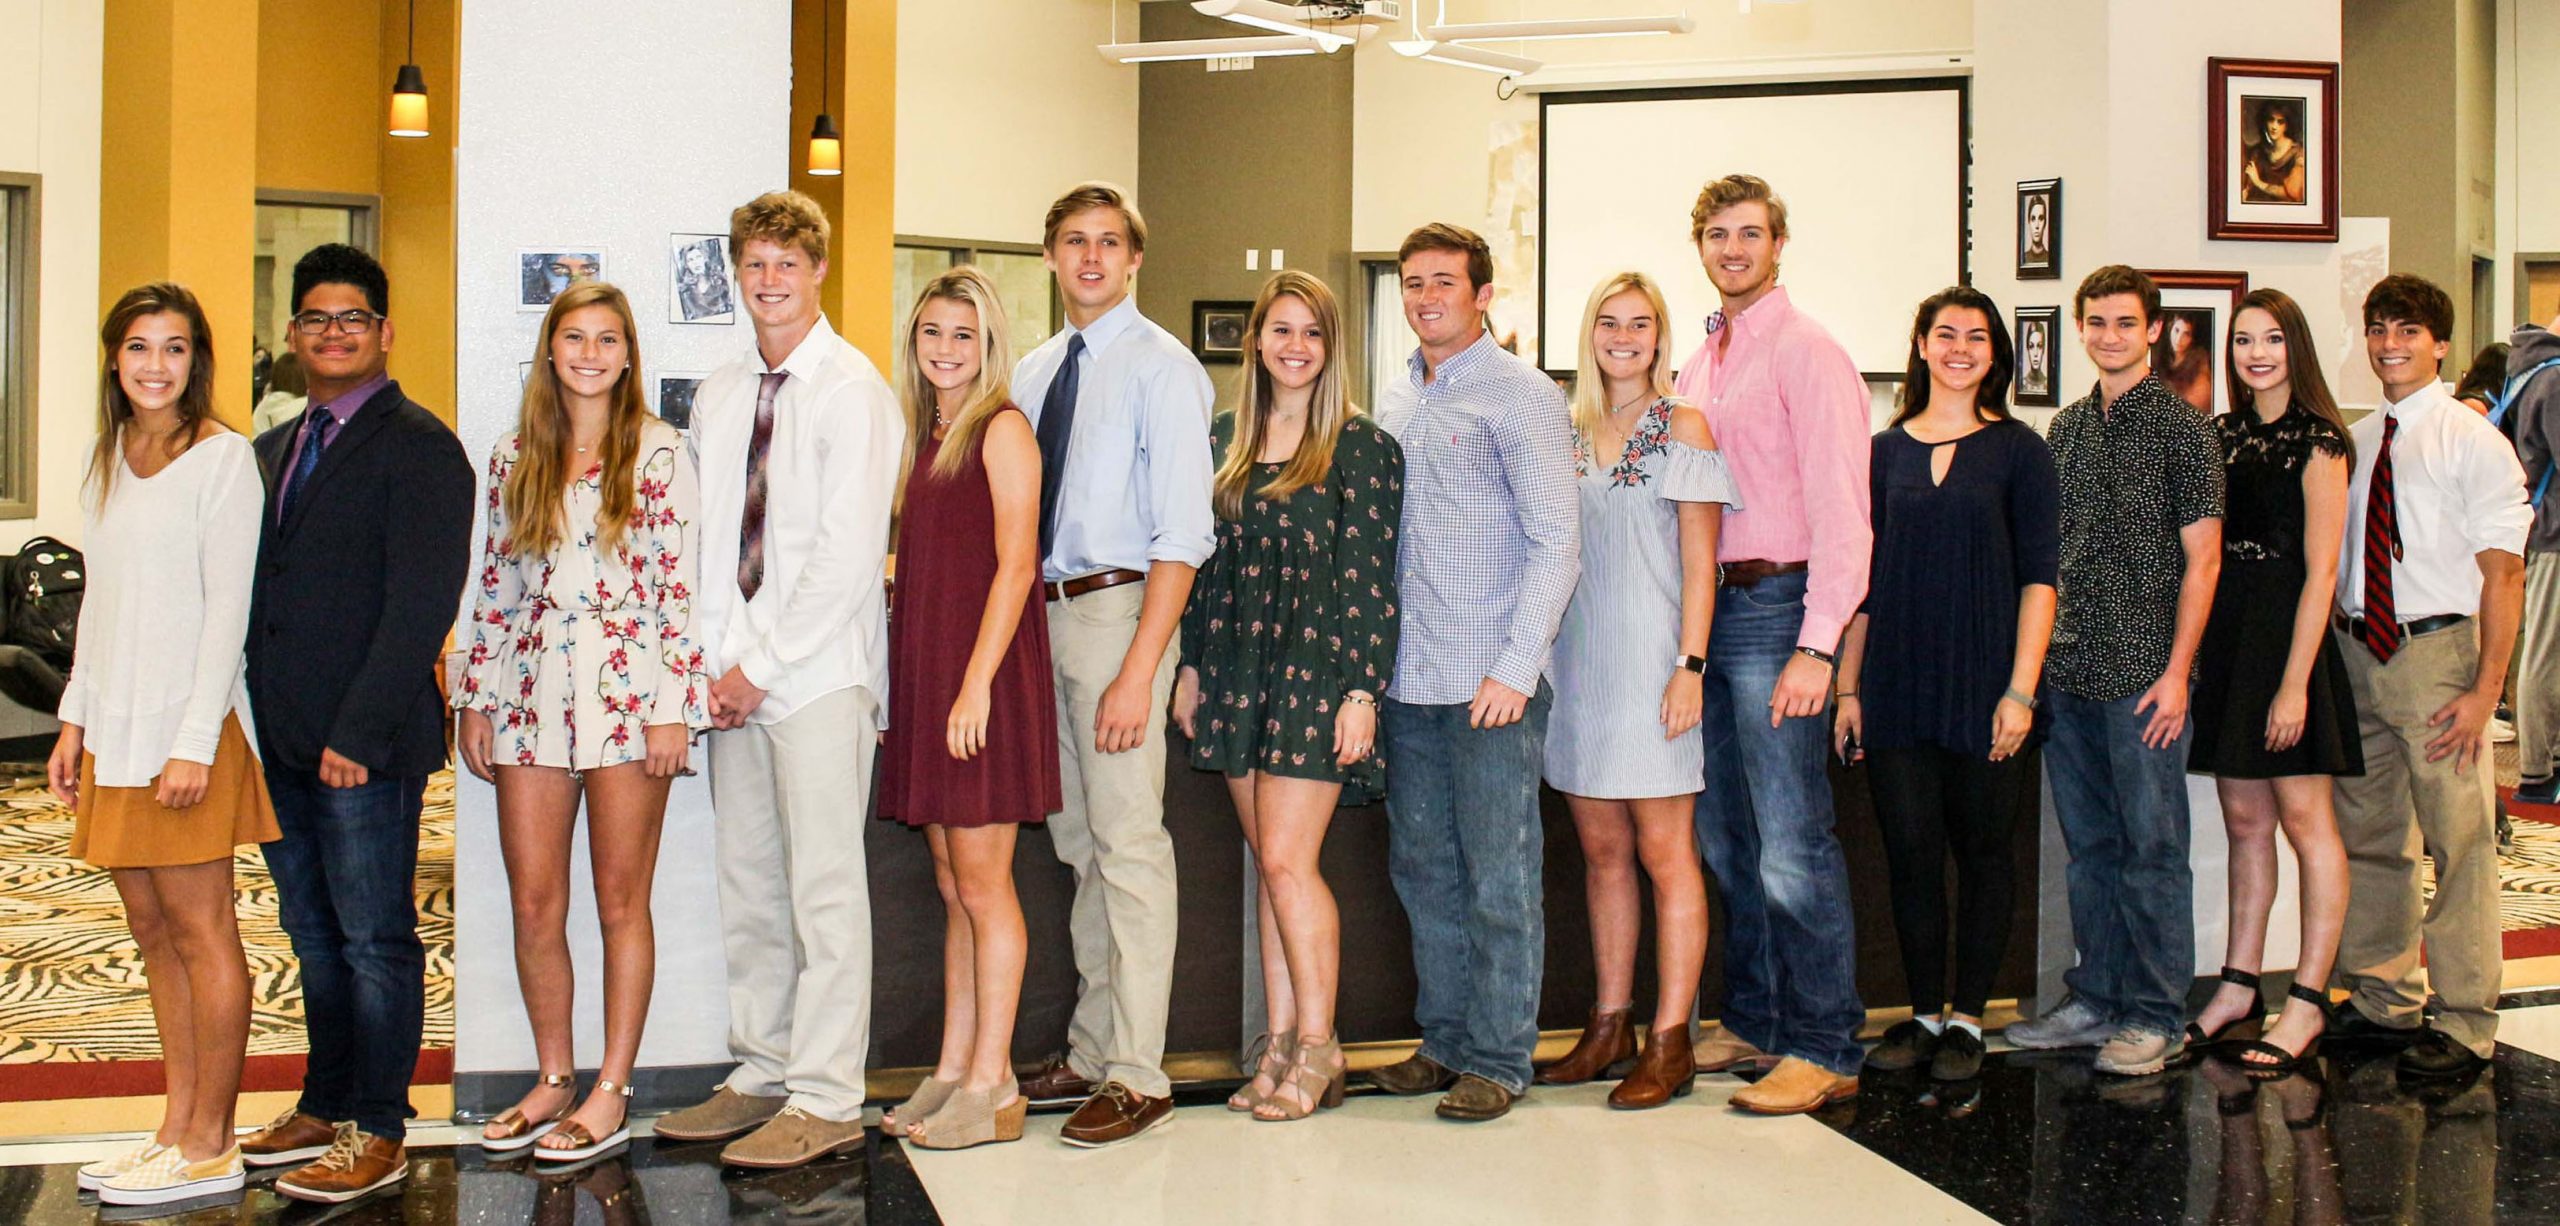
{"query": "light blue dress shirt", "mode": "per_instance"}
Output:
(1136, 489)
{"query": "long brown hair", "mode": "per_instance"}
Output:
(2308, 387)
(1991, 396)
(988, 393)
(536, 486)
(1328, 410)
(195, 400)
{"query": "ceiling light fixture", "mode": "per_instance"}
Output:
(1460, 55)
(1580, 27)
(1273, 16)
(1213, 49)
(826, 144)
(409, 88)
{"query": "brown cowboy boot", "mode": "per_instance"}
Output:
(1607, 1049)
(1667, 1070)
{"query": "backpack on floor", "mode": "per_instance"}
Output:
(45, 579)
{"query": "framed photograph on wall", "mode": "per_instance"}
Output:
(543, 272)
(2040, 230)
(2039, 348)
(2271, 137)
(2196, 307)
(1217, 330)
(675, 395)
(699, 290)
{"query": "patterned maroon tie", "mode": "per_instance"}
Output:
(751, 526)
(2380, 631)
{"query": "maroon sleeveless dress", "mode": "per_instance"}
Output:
(946, 560)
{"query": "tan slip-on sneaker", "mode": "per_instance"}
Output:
(357, 1163)
(793, 1137)
(1718, 1049)
(167, 1177)
(723, 1115)
(1793, 1088)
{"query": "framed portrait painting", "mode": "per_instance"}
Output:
(2196, 307)
(2271, 137)
(1217, 330)
(2039, 349)
(543, 272)
(2040, 230)
(698, 288)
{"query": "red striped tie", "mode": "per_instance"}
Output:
(2380, 631)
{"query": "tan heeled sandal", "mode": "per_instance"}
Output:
(928, 1098)
(580, 1144)
(1274, 1063)
(514, 1130)
(973, 1117)
(1319, 1074)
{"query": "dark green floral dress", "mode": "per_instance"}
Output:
(1296, 608)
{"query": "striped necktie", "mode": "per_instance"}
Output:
(751, 525)
(2380, 631)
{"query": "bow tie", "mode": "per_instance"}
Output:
(1716, 322)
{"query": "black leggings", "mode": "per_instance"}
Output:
(1930, 802)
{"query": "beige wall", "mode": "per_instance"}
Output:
(1002, 105)
(2536, 33)
(49, 125)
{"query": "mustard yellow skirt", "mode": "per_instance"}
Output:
(130, 828)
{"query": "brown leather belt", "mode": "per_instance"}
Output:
(1085, 585)
(1750, 571)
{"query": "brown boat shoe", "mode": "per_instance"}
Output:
(290, 1139)
(1115, 1113)
(357, 1163)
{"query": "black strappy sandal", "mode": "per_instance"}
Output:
(2246, 1026)
(2273, 1061)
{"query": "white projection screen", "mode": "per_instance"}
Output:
(1873, 174)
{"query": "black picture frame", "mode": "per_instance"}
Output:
(1217, 329)
(2045, 265)
(2038, 341)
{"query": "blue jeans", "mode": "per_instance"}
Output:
(1467, 851)
(1764, 822)
(346, 881)
(2123, 810)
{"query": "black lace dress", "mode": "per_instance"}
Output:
(2241, 662)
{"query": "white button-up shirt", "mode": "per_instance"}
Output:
(819, 623)
(2459, 491)
(1136, 489)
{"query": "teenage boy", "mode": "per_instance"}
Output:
(1790, 412)
(2532, 397)
(2429, 601)
(2141, 477)
(1122, 412)
(1491, 547)
(799, 443)
(361, 567)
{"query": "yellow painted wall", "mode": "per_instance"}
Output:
(320, 96)
(860, 88)
(417, 203)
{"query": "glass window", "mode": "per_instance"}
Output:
(910, 268)
(17, 346)
(1022, 283)
(1391, 340)
(287, 230)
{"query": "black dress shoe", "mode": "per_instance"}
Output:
(1908, 1045)
(2348, 1024)
(2435, 1054)
(1959, 1056)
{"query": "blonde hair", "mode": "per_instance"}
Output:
(1085, 196)
(1729, 191)
(784, 219)
(1329, 408)
(535, 489)
(1590, 389)
(987, 394)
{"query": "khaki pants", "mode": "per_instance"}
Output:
(2403, 807)
(2538, 669)
(1112, 834)
(795, 901)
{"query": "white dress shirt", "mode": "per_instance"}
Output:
(1136, 489)
(2459, 491)
(819, 622)
(164, 618)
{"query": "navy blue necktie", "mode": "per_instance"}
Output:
(1057, 422)
(315, 438)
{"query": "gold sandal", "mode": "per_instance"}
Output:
(1274, 1061)
(582, 1144)
(515, 1131)
(1319, 1073)
(973, 1117)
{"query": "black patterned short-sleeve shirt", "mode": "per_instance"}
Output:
(2133, 474)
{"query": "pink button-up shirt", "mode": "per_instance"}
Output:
(1789, 411)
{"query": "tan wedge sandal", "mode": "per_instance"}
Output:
(1276, 1052)
(515, 1131)
(1319, 1073)
(928, 1098)
(973, 1117)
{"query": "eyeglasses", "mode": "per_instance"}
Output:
(353, 323)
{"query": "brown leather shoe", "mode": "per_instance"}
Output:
(1721, 1049)
(1474, 1099)
(1607, 1048)
(793, 1137)
(1115, 1113)
(292, 1137)
(1667, 1070)
(725, 1114)
(1415, 1074)
(357, 1163)
(1056, 1085)
(1795, 1087)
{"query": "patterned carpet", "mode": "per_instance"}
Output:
(71, 985)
